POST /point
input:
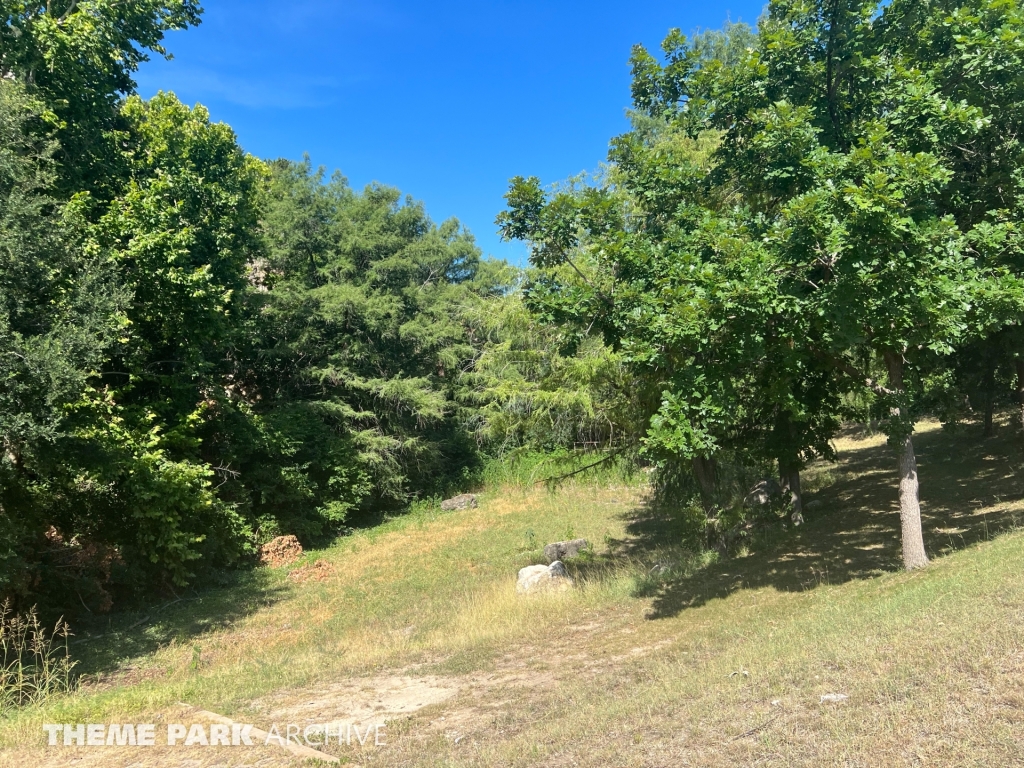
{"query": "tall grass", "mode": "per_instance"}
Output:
(525, 468)
(34, 664)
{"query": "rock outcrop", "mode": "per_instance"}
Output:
(462, 501)
(563, 550)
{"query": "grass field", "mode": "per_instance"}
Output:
(710, 662)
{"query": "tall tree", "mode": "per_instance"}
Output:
(79, 58)
(815, 235)
(843, 145)
(354, 370)
(972, 53)
(60, 311)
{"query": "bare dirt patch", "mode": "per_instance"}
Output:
(383, 698)
(321, 570)
(360, 700)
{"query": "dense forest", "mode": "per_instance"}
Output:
(809, 223)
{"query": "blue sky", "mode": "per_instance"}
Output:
(444, 100)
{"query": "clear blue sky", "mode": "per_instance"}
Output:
(444, 100)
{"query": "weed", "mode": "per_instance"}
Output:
(530, 539)
(34, 664)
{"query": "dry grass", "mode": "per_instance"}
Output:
(417, 622)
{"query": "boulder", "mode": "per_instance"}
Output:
(543, 578)
(762, 493)
(462, 501)
(562, 550)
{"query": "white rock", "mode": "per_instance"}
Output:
(538, 578)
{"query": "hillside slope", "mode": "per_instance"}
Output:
(416, 623)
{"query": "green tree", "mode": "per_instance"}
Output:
(972, 53)
(540, 387)
(354, 374)
(182, 234)
(841, 145)
(78, 57)
(179, 238)
(60, 311)
(123, 331)
(788, 207)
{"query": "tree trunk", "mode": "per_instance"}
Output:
(789, 463)
(705, 470)
(790, 481)
(914, 555)
(1020, 387)
(990, 399)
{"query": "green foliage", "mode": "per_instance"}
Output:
(58, 300)
(111, 335)
(779, 231)
(79, 57)
(539, 387)
(350, 391)
(199, 351)
(59, 312)
(133, 493)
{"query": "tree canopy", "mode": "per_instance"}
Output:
(781, 229)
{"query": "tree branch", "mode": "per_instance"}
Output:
(68, 12)
(566, 476)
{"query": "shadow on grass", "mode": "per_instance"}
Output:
(104, 644)
(971, 490)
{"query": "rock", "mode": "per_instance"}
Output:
(284, 550)
(812, 504)
(562, 550)
(833, 698)
(542, 578)
(762, 493)
(462, 501)
(557, 570)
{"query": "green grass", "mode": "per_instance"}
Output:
(679, 666)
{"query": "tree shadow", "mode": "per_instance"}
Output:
(105, 645)
(971, 490)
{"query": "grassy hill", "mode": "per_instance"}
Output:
(702, 661)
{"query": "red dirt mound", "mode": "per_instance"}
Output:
(284, 550)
